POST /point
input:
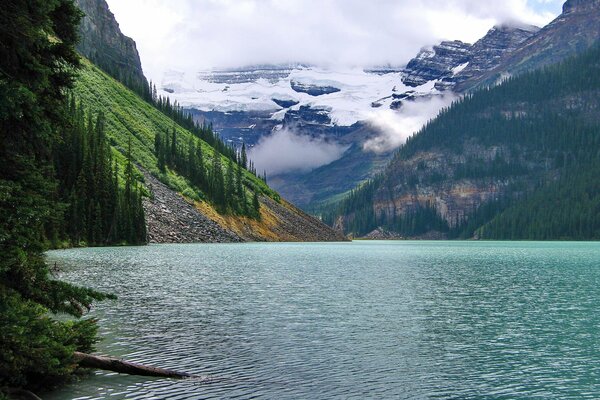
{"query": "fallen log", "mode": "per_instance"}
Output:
(125, 367)
(19, 394)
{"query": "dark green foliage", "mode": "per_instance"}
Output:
(37, 350)
(184, 118)
(566, 209)
(543, 125)
(222, 185)
(37, 59)
(100, 211)
(416, 222)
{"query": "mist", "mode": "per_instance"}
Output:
(287, 151)
(395, 127)
(191, 35)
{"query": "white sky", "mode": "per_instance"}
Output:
(191, 35)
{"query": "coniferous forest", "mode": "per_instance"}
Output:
(543, 124)
(224, 185)
(101, 207)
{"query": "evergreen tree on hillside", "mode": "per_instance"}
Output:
(94, 214)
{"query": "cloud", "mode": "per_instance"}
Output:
(286, 151)
(395, 127)
(198, 34)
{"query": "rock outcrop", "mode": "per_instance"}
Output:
(453, 62)
(488, 52)
(103, 43)
(580, 5)
(312, 89)
(436, 63)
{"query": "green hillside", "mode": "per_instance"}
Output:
(129, 117)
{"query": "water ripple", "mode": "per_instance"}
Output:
(408, 320)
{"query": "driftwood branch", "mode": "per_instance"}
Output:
(125, 367)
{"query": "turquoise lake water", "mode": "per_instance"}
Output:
(407, 320)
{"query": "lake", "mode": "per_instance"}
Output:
(439, 320)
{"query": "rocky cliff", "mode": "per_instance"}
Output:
(102, 42)
(437, 62)
(488, 52)
(452, 62)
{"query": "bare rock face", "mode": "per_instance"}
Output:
(102, 42)
(579, 5)
(487, 53)
(436, 63)
(453, 62)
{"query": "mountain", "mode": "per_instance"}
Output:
(437, 62)
(200, 192)
(488, 52)
(575, 30)
(517, 161)
(101, 41)
(335, 108)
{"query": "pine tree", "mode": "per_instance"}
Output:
(256, 204)
(159, 149)
(230, 186)
(200, 178)
(244, 157)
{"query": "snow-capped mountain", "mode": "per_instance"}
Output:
(345, 96)
(364, 114)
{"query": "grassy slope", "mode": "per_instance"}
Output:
(128, 116)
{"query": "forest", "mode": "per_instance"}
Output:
(37, 68)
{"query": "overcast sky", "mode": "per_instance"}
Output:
(191, 35)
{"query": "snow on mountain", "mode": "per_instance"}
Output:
(319, 132)
(348, 96)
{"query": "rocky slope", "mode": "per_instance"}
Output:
(438, 62)
(172, 219)
(102, 42)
